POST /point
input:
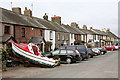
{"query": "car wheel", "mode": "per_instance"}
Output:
(89, 56)
(69, 60)
(102, 53)
(111, 49)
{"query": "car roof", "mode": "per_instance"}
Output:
(65, 49)
(73, 45)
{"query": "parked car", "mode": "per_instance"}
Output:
(82, 49)
(110, 47)
(116, 47)
(91, 53)
(102, 50)
(96, 50)
(66, 55)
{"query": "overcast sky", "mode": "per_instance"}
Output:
(96, 13)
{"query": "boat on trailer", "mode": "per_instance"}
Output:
(30, 52)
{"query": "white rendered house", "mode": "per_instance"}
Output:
(50, 37)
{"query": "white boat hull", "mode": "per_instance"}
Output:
(33, 58)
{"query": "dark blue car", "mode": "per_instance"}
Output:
(81, 48)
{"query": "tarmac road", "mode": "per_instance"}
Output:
(102, 66)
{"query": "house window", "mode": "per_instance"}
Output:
(51, 36)
(7, 30)
(58, 36)
(98, 37)
(95, 37)
(67, 37)
(83, 37)
(41, 32)
(71, 36)
(23, 32)
(63, 37)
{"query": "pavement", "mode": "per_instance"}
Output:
(102, 66)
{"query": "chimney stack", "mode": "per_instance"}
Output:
(27, 12)
(84, 27)
(16, 10)
(45, 17)
(74, 24)
(56, 19)
(106, 30)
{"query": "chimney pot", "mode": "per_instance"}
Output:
(25, 8)
(91, 27)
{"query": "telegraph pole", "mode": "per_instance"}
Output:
(11, 5)
(32, 7)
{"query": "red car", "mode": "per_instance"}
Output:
(110, 47)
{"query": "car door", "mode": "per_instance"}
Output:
(63, 55)
(56, 54)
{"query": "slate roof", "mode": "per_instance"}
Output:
(100, 32)
(17, 19)
(78, 30)
(45, 23)
(70, 29)
(74, 30)
(14, 18)
(4, 39)
(105, 33)
(60, 27)
(88, 31)
(111, 34)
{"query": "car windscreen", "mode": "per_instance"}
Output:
(108, 46)
(89, 50)
(71, 47)
(55, 52)
(81, 48)
(63, 52)
(70, 51)
(95, 49)
(100, 48)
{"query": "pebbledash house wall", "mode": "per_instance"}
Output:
(29, 32)
(59, 42)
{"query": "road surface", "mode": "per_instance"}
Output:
(102, 66)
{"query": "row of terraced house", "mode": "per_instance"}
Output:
(21, 28)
